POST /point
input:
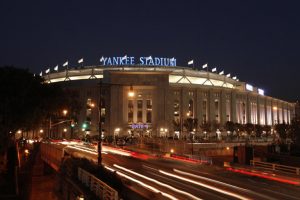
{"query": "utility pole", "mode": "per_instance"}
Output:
(100, 126)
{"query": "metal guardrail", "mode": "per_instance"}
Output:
(277, 167)
(102, 190)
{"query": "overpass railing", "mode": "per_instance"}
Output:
(98, 187)
(277, 167)
(52, 154)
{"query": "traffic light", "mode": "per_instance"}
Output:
(72, 124)
(84, 126)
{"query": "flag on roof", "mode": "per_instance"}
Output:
(66, 64)
(191, 62)
(80, 60)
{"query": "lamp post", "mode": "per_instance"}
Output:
(100, 126)
(130, 94)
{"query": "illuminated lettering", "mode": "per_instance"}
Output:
(130, 60)
(139, 126)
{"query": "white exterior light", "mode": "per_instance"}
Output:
(261, 92)
(249, 87)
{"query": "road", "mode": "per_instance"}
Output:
(183, 180)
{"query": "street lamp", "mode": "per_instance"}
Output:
(131, 92)
(65, 112)
(172, 151)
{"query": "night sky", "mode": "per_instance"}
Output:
(258, 41)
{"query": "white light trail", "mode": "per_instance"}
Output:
(205, 185)
(158, 182)
(208, 179)
(115, 151)
(85, 150)
(222, 183)
(143, 184)
(104, 150)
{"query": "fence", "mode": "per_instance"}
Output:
(277, 167)
(102, 190)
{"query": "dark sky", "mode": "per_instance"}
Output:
(259, 41)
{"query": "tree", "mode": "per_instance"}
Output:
(176, 125)
(67, 100)
(249, 128)
(230, 126)
(258, 130)
(239, 127)
(294, 130)
(215, 125)
(25, 100)
(190, 124)
(205, 127)
(281, 129)
(267, 129)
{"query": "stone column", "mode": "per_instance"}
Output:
(233, 107)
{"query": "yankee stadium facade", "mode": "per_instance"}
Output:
(146, 95)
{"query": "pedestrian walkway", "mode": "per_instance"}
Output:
(42, 184)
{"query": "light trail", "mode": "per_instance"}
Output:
(282, 180)
(104, 150)
(158, 182)
(116, 151)
(222, 183)
(209, 179)
(142, 184)
(83, 147)
(85, 150)
(204, 185)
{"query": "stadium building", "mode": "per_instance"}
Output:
(147, 98)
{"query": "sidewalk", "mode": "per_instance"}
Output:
(42, 184)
